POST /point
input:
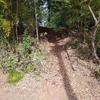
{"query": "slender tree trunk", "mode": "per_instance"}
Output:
(94, 34)
(84, 29)
(16, 30)
(49, 12)
(36, 23)
(11, 23)
(94, 46)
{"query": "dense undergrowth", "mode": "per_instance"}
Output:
(24, 57)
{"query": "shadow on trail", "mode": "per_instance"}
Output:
(57, 49)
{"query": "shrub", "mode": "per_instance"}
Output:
(26, 44)
(74, 43)
(14, 77)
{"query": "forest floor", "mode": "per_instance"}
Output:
(57, 81)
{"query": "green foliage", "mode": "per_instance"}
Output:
(26, 63)
(14, 77)
(88, 41)
(98, 37)
(5, 25)
(39, 55)
(4, 22)
(73, 14)
(98, 51)
(4, 3)
(75, 43)
(29, 68)
(84, 51)
(8, 62)
(26, 44)
(25, 14)
(58, 20)
(8, 67)
(59, 29)
(4, 40)
(33, 63)
(96, 73)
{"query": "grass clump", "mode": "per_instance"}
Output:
(74, 43)
(14, 77)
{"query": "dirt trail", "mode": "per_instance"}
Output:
(57, 81)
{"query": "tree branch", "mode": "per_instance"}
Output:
(94, 17)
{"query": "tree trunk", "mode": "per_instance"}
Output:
(94, 34)
(36, 23)
(94, 46)
(16, 30)
(49, 12)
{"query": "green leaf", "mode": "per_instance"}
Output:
(4, 3)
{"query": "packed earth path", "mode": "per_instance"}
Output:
(57, 80)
